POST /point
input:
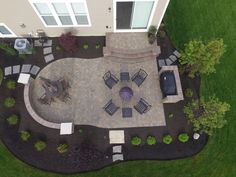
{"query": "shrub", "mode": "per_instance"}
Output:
(11, 84)
(7, 49)
(85, 46)
(188, 93)
(98, 46)
(161, 34)
(68, 42)
(24, 135)
(40, 145)
(151, 140)
(13, 119)
(183, 137)
(136, 141)
(170, 115)
(167, 139)
(9, 102)
(152, 34)
(62, 148)
(81, 130)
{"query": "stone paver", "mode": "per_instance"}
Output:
(16, 69)
(117, 157)
(88, 92)
(161, 62)
(177, 54)
(48, 43)
(117, 149)
(173, 58)
(48, 58)
(47, 50)
(25, 68)
(116, 136)
(7, 70)
(168, 61)
(34, 70)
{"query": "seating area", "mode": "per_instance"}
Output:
(110, 79)
(110, 108)
(139, 77)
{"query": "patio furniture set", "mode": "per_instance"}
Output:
(126, 92)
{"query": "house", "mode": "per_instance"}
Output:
(84, 17)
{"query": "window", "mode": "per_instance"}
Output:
(5, 31)
(133, 14)
(60, 13)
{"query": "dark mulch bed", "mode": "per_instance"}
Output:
(89, 147)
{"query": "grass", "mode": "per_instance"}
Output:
(185, 20)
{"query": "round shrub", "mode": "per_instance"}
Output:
(151, 140)
(183, 137)
(188, 93)
(136, 141)
(11, 84)
(62, 148)
(40, 145)
(13, 119)
(9, 102)
(167, 139)
(98, 46)
(24, 135)
(85, 46)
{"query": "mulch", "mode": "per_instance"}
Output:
(89, 147)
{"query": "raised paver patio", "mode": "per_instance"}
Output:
(89, 93)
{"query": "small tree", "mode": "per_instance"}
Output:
(183, 137)
(200, 58)
(68, 42)
(206, 115)
(136, 141)
(167, 139)
(151, 140)
(11, 84)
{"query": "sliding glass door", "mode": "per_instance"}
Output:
(133, 14)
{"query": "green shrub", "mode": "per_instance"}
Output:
(13, 119)
(98, 46)
(151, 140)
(40, 145)
(170, 115)
(7, 49)
(24, 135)
(167, 139)
(11, 84)
(188, 93)
(152, 30)
(136, 141)
(62, 148)
(9, 102)
(183, 137)
(85, 46)
(81, 130)
(1, 76)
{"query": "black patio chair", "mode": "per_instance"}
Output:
(110, 108)
(139, 77)
(110, 79)
(142, 106)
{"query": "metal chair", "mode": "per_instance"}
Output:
(142, 106)
(110, 79)
(139, 77)
(110, 108)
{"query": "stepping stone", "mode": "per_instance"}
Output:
(25, 68)
(16, 69)
(47, 50)
(168, 61)
(37, 43)
(173, 58)
(48, 43)
(177, 54)
(117, 149)
(117, 157)
(161, 62)
(7, 70)
(34, 70)
(48, 58)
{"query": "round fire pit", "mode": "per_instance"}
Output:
(126, 93)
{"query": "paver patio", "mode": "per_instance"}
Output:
(89, 93)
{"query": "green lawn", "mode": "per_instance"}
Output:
(185, 19)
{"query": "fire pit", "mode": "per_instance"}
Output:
(126, 93)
